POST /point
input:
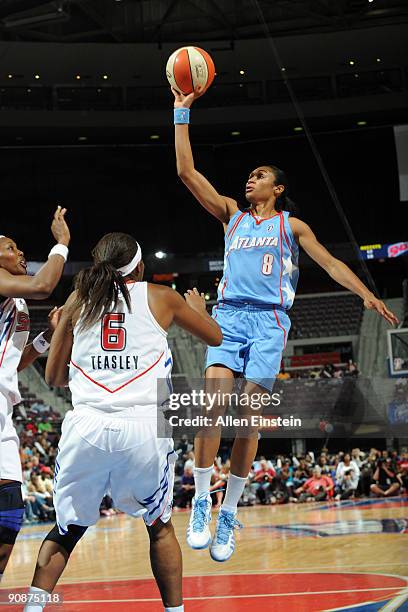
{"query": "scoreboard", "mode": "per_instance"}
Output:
(383, 251)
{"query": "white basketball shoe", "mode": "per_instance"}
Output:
(223, 543)
(198, 531)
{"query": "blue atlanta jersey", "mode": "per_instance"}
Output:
(260, 260)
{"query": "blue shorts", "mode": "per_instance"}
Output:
(254, 337)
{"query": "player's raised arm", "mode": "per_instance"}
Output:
(59, 356)
(218, 205)
(14, 281)
(338, 270)
(191, 314)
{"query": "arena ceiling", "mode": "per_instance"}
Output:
(164, 21)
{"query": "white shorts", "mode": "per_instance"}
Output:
(100, 453)
(10, 464)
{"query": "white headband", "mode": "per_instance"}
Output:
(2, 236)
(125, 270)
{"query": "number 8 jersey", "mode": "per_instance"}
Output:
(260, 261)
(116, 363)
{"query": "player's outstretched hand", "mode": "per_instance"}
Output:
(59, 227)
(182, 101)
(372, 303)
(53, 318)
(195, 300)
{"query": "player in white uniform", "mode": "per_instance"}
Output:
(113, 335)
(16, 355)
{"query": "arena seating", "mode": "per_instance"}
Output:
(337, 314)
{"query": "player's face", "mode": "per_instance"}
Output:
(11, 258)
(260, 184)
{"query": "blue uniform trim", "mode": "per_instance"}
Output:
(12, 519)
(163, 488)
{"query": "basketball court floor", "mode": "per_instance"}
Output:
(303, 558)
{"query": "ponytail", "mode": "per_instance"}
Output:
(283, 202)
(99, 286)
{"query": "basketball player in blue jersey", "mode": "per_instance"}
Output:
(257, 288)
(111, 347)
(15, 355)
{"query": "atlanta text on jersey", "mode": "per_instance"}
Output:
(250, 242)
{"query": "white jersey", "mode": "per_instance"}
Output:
(14, 332)
(118, 363)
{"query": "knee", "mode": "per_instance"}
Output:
(69, 540)
(160, 531)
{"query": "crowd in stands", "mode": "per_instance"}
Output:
(329, 370)
(275, 480)
(280, 480)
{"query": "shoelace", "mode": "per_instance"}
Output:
(226, 523)
(200, 512)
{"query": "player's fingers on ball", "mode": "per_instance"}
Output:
(195, 290)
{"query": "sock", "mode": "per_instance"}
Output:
(176, 609)
(36, 607)
(235, 488)
(202, 479)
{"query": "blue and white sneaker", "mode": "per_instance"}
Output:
(198, 530)
(223, 544)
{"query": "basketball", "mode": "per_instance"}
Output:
(188, 68)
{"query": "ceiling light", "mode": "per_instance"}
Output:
(235, 133)
(154, 137)
(160, 254)
(361, 122)
(242, 72)
(298, 128)
(352, 62)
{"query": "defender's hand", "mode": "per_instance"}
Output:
(195, 300)
(59, 227)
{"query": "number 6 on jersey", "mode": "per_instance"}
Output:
(113, 336)
(267, 263)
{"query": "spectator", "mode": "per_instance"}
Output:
(385, 481)
(345, 465)
(367, 470)
(283, 375)
(45, 425)
(357, 456)
(38, 490)
(186, 491)
(262, 480)
(282, 484)
(316, 488)
(328, 371)
(351, 369)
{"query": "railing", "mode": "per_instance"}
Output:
(238, 93)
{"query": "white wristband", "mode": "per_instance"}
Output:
(40, 343)
(59, 249)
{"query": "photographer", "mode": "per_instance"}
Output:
(385, 481)
(347, 484)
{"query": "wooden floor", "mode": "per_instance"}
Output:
(288, 558)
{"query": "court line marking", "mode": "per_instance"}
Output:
(397, 601)
(244, 596)
(288, 570)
